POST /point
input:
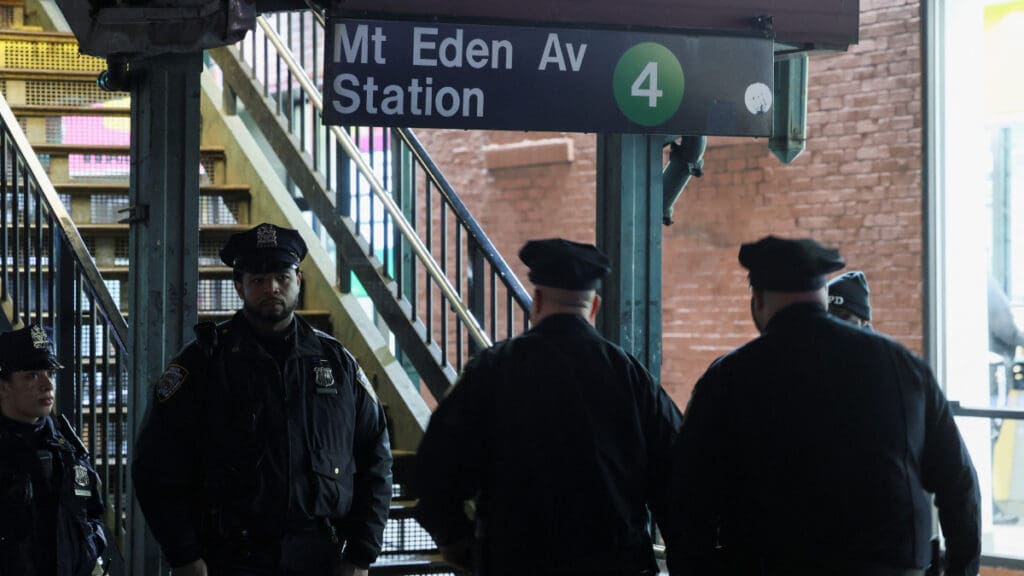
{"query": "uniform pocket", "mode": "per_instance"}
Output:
(332, 483)
(16, 495)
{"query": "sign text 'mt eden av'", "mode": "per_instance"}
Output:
(455, 75)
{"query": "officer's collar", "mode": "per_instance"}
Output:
(303, 335)
(562, 323)
(25, 428)
(795, 313)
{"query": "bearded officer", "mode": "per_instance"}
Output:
(810, 449)
(265, 449)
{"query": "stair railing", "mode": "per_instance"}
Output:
(48, 277)
(401, 205)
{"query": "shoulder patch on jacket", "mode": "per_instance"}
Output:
(171, 380)
(326, 336)
(365, 382)
(361, 377)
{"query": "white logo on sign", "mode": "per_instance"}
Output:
(758, 98)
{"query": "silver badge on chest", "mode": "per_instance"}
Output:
(324, 378)
(82, 481)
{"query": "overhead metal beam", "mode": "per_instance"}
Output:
(810, 24)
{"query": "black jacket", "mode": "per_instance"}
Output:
(811, 448)
(49, 527)
(238, 442)
(563, 440)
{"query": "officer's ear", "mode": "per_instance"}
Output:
(537, 304)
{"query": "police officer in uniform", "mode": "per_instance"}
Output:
(265, 449)
(850, 299)
(50, 502)
(809, 449)
(559, 437)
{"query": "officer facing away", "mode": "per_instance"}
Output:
(559, 436)
(850, 299)
(50, 502)
(809, 449)
(265, 449)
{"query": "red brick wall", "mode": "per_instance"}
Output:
(857, 186)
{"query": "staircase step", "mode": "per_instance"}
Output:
(395, 564)
(403, 469)
(120, 272)
(214, 152)
(9, 35)
(205, 272)
(320, 319)
(36, 51)
(228, 191)
(402, 509)
(113, 229)
(87, 76)
(36, 111)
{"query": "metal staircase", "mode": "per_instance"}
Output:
(442, 288)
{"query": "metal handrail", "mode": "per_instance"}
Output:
(367, 172)
(90, 333)
(67, 226)
(491, 253)
(516, 288)
(985, 412)
(277, 73)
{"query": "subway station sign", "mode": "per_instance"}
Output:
(471, 76)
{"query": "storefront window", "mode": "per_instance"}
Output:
(976, 95)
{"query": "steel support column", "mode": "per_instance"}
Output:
(164, 239)
(629, 207)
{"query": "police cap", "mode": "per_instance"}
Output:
(789, 265)
(565, 264)
(29, 348)
(850, 292)
(263, 249)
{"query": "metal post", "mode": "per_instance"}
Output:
(404, 183)
(629, 206)
(475, 291)
(68, 404)
(164, 239)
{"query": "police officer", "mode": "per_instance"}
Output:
(265, 449)
(850, 299)
(50, 499)
(809, 449)
(559, 436)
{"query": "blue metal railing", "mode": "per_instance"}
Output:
(48, 277)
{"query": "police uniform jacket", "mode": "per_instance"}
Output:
(238, 444)
(563, 439)
(809, 451)
(52, 514)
